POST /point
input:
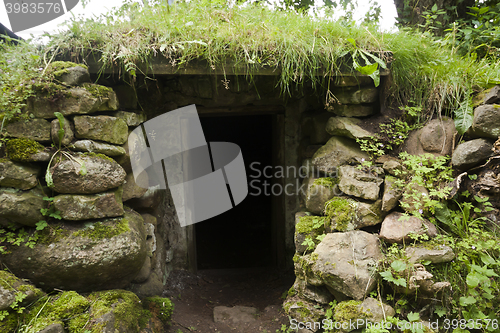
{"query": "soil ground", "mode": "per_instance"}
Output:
(196, 295)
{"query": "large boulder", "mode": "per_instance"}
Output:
(471, 153)
(345, 261)
(90, 146)
(336, 152)
(22, 207)
(90, 206)
(100, 173)
(33, 129)
(360, 183)
(348, 127)
(98, 255)
(18, 175)
(397, 228)
(88, 98)
(435, 137)
(103, 128)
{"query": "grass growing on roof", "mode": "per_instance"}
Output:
(298, 46)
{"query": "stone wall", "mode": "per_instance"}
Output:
(101, 230)
(352, 211)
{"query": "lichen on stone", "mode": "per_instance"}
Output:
(21, 149)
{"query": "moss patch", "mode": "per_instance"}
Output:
(307, 224)
(348, 311)
(98, 155)
(99, 230)
(56, 309)
(161, 307)
(51, 235)
(9, 323)
(326, 181)
(7, 280)
(124, 304)
(78, 323)
(97, 91)
(58, 68)
(22, 149)
(341, 211)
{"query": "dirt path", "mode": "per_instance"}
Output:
(196, 295)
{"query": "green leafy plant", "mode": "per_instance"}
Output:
(389, 137)
(423, 171)
(393, 275)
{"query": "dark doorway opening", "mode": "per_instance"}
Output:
(242, 236)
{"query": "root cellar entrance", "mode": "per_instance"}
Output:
(243, 236)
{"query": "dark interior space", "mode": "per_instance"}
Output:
(242, 236)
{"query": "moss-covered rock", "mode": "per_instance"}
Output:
(55, 310)
(100, 173)
(11, 286)
(85, 207)
(98, 255)
(161, 307)
(18, 175)
(9, 324)
(318, 191)
(103, 128)
(359, 183)
(34, 129)
(303, 311)
(98, 147)
(26, 150)
(87, 99)
(117, 311)
(68, 72)
(336, 152)
(346, 214)
(22, 207)
(308, 227)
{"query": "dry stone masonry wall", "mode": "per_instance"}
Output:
(352, 212)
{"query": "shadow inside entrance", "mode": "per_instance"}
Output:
(242, 236)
